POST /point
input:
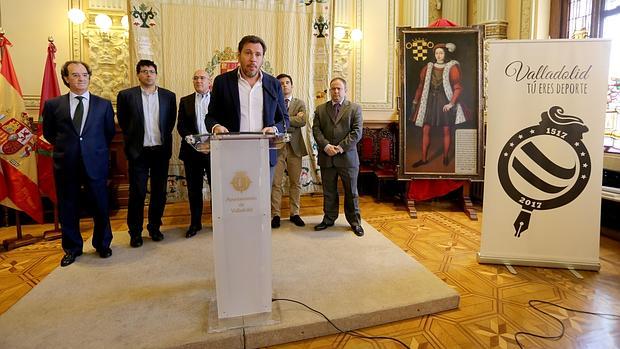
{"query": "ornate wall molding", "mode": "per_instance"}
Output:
(342, 55)
(109, 59)
(496, 30)
(32, 102)
(389, 58)
(526, 19)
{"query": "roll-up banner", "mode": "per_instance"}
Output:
(544, 152)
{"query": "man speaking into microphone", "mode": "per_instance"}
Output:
(247, 99)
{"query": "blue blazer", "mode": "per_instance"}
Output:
(131, 119)
(93, 144)
(224, 107)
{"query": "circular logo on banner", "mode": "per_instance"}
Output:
(241, 182)
(545, 166)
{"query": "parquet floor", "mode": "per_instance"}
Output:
(494, 302)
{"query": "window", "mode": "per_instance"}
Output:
(596, 19)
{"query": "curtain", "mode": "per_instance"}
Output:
(184, 35)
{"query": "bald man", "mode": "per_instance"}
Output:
(192, 111)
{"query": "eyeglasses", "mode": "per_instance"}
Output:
(199, 78)
(148, 71)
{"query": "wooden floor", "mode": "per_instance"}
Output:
(494, 302)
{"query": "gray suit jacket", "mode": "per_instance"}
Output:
(345, 131)
(296, 106)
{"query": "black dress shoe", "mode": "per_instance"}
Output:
(69, 258)
(446, 161)
(358, 230)
(297, 220)
(192, 231)
(105, 252)
(275, 222)
(136, 241)
(156, 235)
(322, 226)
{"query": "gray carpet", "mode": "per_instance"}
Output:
(157, 296)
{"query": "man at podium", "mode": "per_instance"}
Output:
(247, 99)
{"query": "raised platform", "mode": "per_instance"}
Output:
(158, 295)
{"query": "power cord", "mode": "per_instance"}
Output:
(351, 333)
(555, 338)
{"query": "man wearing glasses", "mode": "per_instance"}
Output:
(147, 114)
(192, 111)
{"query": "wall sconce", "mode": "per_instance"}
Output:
(104, 22)
(76, 16)
(356, 35)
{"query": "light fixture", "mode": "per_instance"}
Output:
(339, 33)
(76, 16)
(356, 35)
(125, 22)
(104, 22)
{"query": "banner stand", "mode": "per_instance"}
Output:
(531, 262)
(544, 159)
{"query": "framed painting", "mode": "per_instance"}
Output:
(440, 111)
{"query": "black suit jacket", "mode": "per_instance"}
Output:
(186, 126)
(131, 119)
(92, 145)
(224, 107)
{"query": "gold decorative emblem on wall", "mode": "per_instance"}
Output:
(223, 61)
(109, 60)
(241, 181)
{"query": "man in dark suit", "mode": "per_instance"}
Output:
(192, 111)
(80, 126)
(247, 99)
(147, 114)
(289, 157)
(337, 128)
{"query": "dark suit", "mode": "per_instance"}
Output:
(146, 161)
(195, 163)
(344, 130)
(224, 107)
(81, 158)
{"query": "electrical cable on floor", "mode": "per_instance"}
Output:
(243, 332)
(555, 338)
(351, 333)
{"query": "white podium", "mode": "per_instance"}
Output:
(241, 210)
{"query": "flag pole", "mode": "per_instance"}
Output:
(55, 233)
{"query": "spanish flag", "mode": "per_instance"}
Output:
(17, 144)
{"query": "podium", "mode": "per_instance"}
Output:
(241, 211)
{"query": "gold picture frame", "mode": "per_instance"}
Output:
(440, 111)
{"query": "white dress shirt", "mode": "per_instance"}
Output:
(150, 106)
(73, 103)
(202, 107)
(250, 104)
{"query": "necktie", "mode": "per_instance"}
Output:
(336, 110)
(286, 103)
(78, 115)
